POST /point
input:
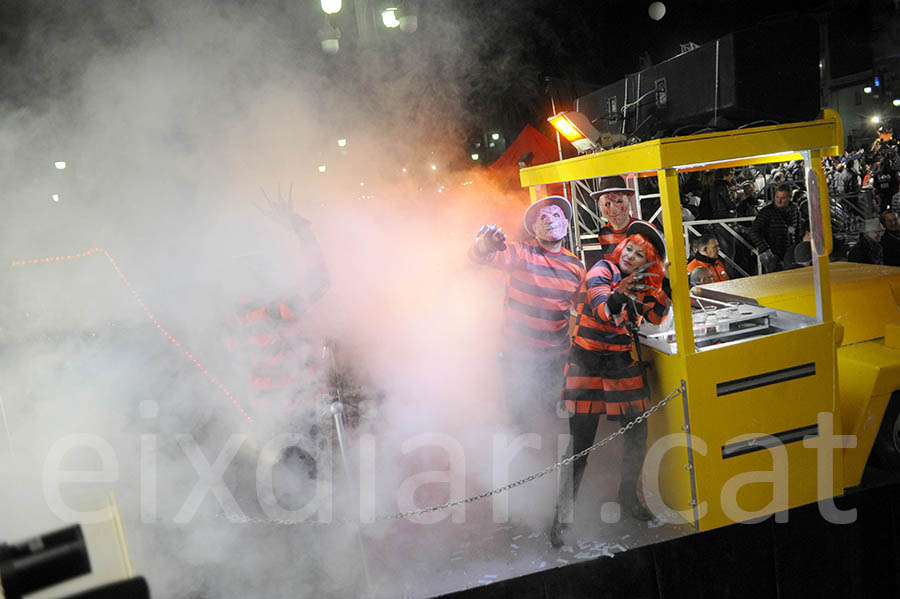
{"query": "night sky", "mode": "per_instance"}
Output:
(483, 64)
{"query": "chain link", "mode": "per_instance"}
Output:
(565, 462)
(502, 489)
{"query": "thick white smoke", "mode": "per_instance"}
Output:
(192, 132)
(187, 129)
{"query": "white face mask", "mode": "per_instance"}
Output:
(551, 223)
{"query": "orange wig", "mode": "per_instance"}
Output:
(651, 254)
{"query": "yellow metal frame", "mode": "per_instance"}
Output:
(865, 301)
(715, 419)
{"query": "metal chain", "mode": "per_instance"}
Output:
(502, 489)
(565, 462)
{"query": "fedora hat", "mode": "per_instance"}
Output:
(611, 184)
(651, 234)
(532, 211)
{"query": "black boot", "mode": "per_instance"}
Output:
(558, 532)
(636, 509)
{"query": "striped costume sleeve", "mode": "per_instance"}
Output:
(599, 287)
(654, 306)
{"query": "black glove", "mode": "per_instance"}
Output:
(667, 287)
(615, 302)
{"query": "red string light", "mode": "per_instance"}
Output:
(149, 314)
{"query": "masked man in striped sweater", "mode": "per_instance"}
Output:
(543, 281)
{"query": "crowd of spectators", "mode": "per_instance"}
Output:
(864, 187)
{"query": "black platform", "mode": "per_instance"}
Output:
(804, 557)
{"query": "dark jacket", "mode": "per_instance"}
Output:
(890, 245)
(776, 229)
(717, 201)
(866, 251)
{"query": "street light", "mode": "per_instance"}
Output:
(867, 89)
(495, 136)
(331, 7)
(389, 18)
(342, 142)
(322, 168)
(474, 156)
(896, 102)
(61, 164)
(876, 119)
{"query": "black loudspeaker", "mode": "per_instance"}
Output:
(770, 72)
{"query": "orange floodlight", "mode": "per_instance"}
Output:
(576, 128)
(566, 127)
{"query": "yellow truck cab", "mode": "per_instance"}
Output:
(778, 385)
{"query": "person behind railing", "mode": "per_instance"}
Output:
(890, 240)
(885, 184)
(701, 276)
(867, 249)
(798, 256)
(707, 256)
(718, 202)
(776, 228)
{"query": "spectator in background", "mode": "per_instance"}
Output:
(802, 255)
(717, 202)
(775, 229)
(848, 180)
(746, 208)
(867, 249)
(890, 240)
(707, 256)
(701, 276)
(789, 258)
(885, 182)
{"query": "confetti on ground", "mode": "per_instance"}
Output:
(562, 561)
(513, 545)
(490, 576)
(517, 537)
(586, 555)
(543, 565)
